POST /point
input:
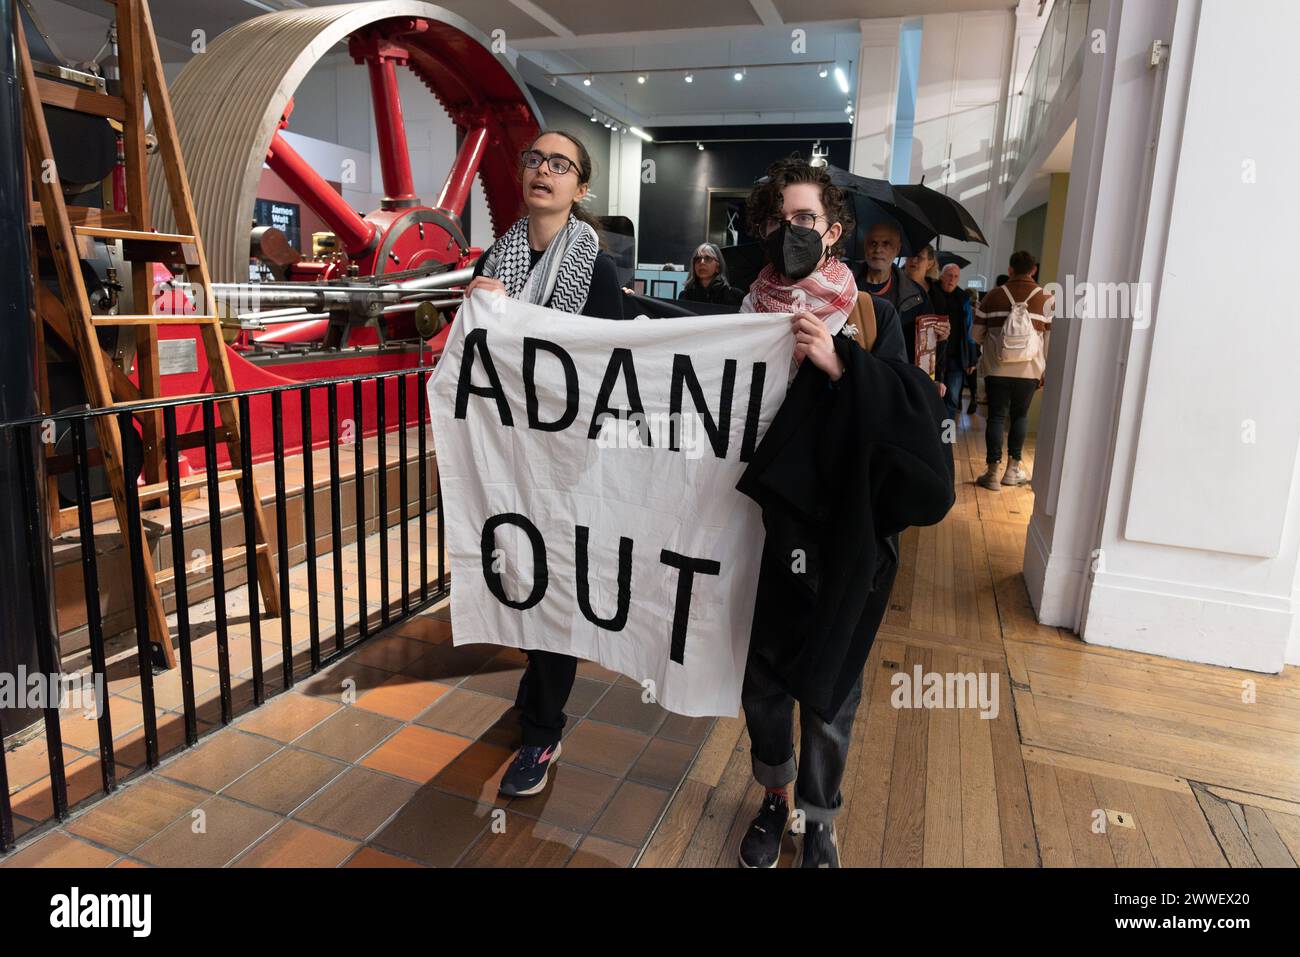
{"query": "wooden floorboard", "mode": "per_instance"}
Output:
(1094, 757)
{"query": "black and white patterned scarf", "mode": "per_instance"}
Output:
(562, 277)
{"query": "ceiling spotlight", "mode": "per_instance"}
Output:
(738, 75)
(640, 77)
(848, 108)
(842, 80)
(593, 117)
(625, 129)
(689, 78)
(699, 145)
(586, 80)
(822, 71)
(551, 79)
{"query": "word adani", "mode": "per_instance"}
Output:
(621, 368)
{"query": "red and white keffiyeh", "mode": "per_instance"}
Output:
(829, 294)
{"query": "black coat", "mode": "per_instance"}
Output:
(718, 292)
(842, 468)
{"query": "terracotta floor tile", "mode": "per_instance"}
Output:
(465, 713)
(357, 803)
(348, 734)
(631, 814)
(402, 697)
(222, 758)
(129, 750)
(573, 798)
(523, 842)
(603, 747)
(677, 727)
(82, 778)
(499, 677)
(370, 857)
(136, 813)
(30, 762)
(228, 829)
(623, 706)
(285, 781)
(476, 773)
(295, 845)
(416, 753)
(663, 763)
(586, 692)
(390, 653)
(241, 702)
(449, 664)
(59, 850)
(288, 716)
(434, 828)
(432, 631)
(79, 731)
(598, 852)
(589, 669)
(343, 682)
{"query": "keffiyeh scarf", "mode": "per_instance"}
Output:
(562, 277)
(829, 294)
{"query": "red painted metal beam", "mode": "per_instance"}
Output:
(455, 191)
(390, 128)
(357, 235)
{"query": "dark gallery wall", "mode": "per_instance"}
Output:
(674, 208)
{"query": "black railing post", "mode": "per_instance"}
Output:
(132, 462)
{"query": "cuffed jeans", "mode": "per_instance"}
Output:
(823, 748)
(1007, 395)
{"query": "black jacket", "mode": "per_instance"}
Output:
(842, 468)
(906, 296)
(719, 292)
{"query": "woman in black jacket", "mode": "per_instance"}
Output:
(708, 282)
(551, 258)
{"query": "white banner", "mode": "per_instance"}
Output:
(589, 471)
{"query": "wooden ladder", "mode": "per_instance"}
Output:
(72, 321)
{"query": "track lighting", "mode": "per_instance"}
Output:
(586, 80)
(640, 77)
(739, 75)
(699, 145)
(689, 78)
(593, 117)
(822, 71)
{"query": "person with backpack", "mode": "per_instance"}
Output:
(1012, 323)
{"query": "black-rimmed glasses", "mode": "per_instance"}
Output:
(557, 163)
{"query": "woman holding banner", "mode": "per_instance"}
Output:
(853, 456)
(552, 258)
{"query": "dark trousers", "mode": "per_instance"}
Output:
(953, 379)
(823, 747)
(1007, 396)
(543, 693)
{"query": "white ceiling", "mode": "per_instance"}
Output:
(570, 36)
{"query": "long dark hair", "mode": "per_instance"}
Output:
(584, 170)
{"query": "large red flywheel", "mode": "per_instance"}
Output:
(232, 101)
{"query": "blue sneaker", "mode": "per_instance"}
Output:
(527, 773)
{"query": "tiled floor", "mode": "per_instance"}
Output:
(391, 758)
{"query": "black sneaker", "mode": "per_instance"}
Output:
(527, 772)
(820, 848)
(761, 846)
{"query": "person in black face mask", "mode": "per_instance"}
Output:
(853, 455)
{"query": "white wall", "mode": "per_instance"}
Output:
(1167, 517)
(960, 90)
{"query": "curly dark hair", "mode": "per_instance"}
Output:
(765, 200)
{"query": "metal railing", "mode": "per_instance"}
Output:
(1056, 67)
(417, 588)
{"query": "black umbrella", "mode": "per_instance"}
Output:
(948, 259)
(878, 201)
(949, 217)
